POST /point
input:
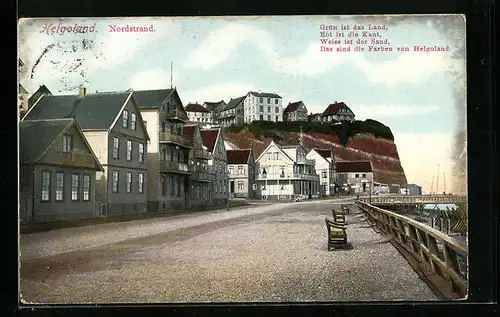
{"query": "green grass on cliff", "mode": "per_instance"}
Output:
(345, 131)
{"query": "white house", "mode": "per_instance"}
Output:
(197, 113)
(241, 170)
(337, 112)
(284, 173)
(355, 176)
(325, 168)
(262, 106)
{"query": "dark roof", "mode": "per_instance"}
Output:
(292, 106)
(194, 107)
(325, 153)
(334, 108)
(238, 156)
(92, 111)
(211, 105)
(150, 99)
(36, 136)
(313, 115)
(353, 166)
(264, 94)
(42, 90)
(189, 130)
(233, 103)
(209, 138)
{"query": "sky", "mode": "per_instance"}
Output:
(419, 95)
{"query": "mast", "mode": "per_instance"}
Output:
(432, 183)
(444, 182)
(437, 182)
(171, 65)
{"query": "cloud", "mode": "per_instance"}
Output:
(157, 78)
(420, 154)
(383, 111)
(407, 67)
(223, 91)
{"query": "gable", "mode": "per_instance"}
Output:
(140, 131)
(283, 158)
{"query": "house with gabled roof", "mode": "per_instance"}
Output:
(215, 108)
(284, 173)
(337, 112)
(113, 126)
(262, 106)
(198, 114)
(168, 150)
(57, 172)
(202, 174)
(241, 172)
(325, 168)
(233, 113)
(295, 111)
(213, 140)
(314, 117)
(355, 176)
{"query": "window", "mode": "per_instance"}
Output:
(67, 143)
(323, 174)
(261, 100)
(277, 118)
(86, 187)
(241, 170)
(75, 187)
(115, 182)
(141, 183)
(45, 186)
(59, 186)
(268, 118)
(276, 156)
(240, 185)
(129, 150)
(125, 119)
(141, 152)
(261, 108)
(129, 182)
(357, 175)
(261, 117)
(268, 100)
(275, 101)
(133, 121)
(282, 170)
(364, 175)
(277, 109)
(269, 156)
(230, 170)
(268, 109)
(116, 147)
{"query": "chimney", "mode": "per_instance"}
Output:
(83, 91)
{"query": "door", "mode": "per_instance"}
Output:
(231, 185)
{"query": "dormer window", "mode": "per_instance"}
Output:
(67, 143)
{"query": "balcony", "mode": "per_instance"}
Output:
(201, 174)
(169, 137)
(174, 167)
(286, 176)
(202, 154)
(176, 115)
(77, 159)
(307, 162)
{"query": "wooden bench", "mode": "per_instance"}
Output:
(338, 216)
(337, 235)
(345, 208)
